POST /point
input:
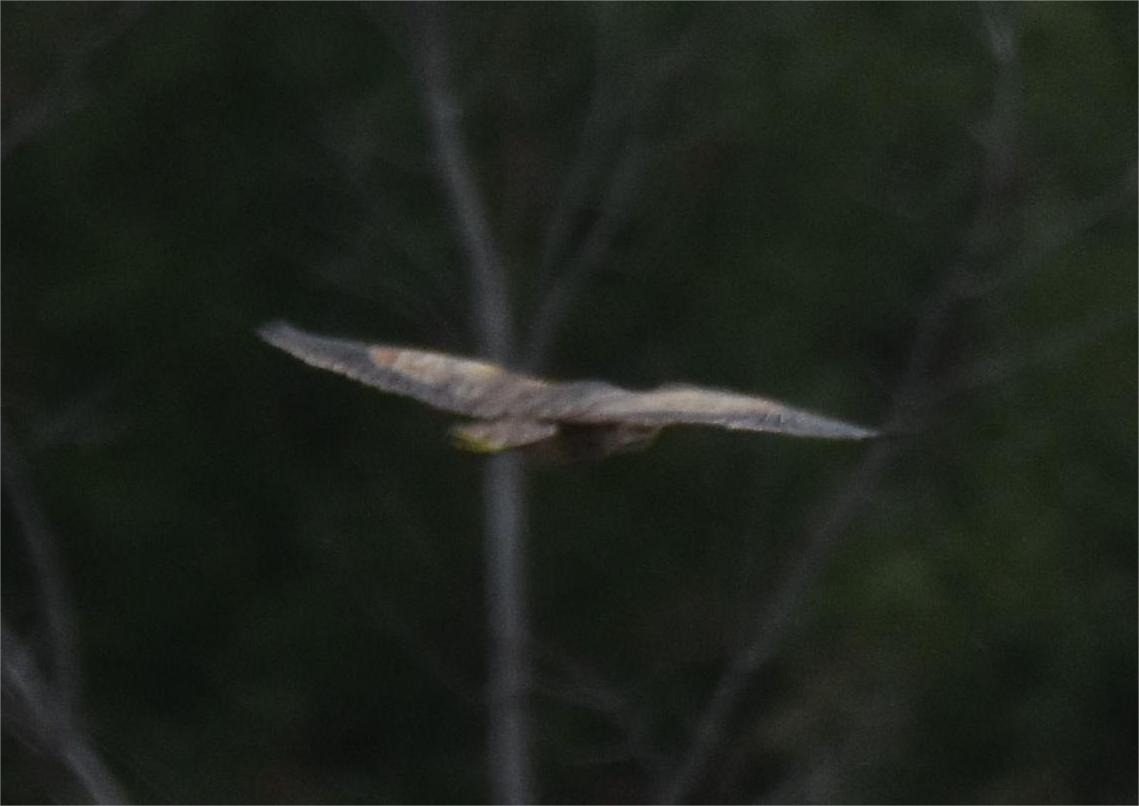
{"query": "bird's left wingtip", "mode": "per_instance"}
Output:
(273, 329)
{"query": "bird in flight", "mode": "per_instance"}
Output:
(574, 420)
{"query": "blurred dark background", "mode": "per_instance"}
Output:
(241, 580)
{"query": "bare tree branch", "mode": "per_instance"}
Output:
(504, 492)
(559, 300)
(609, 111)
(36, 713)
(574, 188)
(715, 718)
(41, 706)
(1052, 351)
(614, 103)
(54, 601)
(1061, 231)
(493, 317)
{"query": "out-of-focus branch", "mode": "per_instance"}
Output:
(54, 602)
(504, 492)
(1051, 352)
(715, 718)
(564, 291)
(493, 317)
(910, 407)
(604, 115)
(615, 103)
(609, 113)
(1065, 228)
(65, 93)
(39, 115)
(40, 706)
(38, 716)
(572, 682)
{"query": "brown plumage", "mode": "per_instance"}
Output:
(576, 419)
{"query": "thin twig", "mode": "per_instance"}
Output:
(571, 682)
(715, 718)
(1052, 351)
(575, 186)
(1064, 229)
(559, 300)
(609, 110)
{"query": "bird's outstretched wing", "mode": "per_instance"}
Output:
(458, 385)
(692, 405)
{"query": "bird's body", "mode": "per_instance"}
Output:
(512, 410)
